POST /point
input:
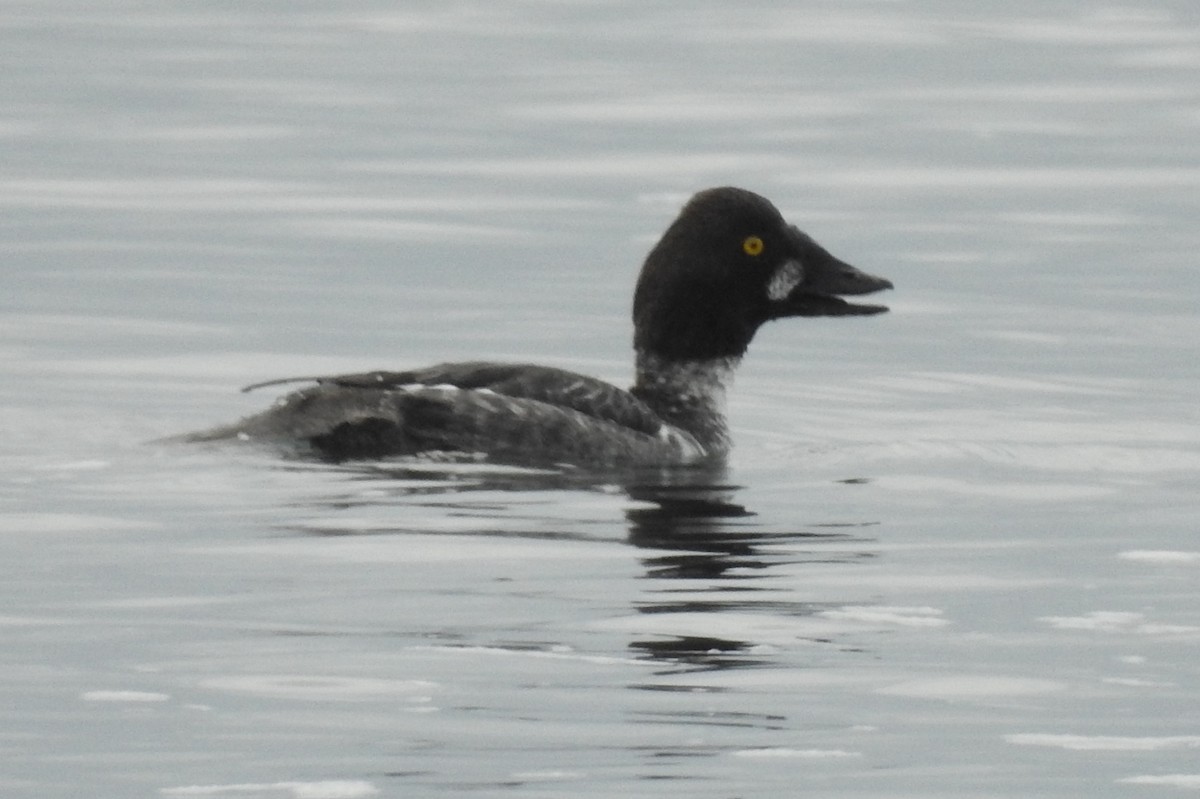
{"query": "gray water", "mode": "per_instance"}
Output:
(955, 551)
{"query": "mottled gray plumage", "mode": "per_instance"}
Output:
(726, 265)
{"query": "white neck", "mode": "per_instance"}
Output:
(689, 395)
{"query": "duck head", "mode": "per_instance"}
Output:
(729, 263)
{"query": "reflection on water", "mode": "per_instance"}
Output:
(705, 553)
(712, 556)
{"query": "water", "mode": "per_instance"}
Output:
(954, 553)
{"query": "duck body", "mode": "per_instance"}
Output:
(728, 264)
(508, 412)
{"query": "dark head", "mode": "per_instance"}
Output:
(729, 263)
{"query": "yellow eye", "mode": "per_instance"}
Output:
(752, 245)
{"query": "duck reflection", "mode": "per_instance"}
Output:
(712, 567)
(709, 554)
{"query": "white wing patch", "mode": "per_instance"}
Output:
(683, 442)
(789, 275)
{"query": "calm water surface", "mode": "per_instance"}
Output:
(955, 553)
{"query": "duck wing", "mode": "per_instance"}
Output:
(520, 413)
(547, 384)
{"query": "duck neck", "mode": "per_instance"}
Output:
(689, 395)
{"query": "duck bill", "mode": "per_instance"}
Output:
(826, 280)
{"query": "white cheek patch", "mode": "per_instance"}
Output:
(789, 275)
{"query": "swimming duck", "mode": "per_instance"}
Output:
(728, 264)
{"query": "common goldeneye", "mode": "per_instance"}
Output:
(726, 265)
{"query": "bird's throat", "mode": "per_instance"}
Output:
(689, 395)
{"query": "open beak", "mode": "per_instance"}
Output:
(826, 280)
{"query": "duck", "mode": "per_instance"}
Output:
(728, 264)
